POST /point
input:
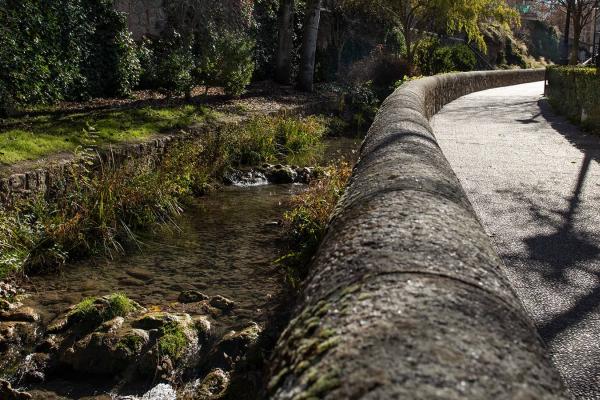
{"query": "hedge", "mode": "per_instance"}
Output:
(63, 49)
(575, 92)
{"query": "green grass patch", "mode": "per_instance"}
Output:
(275, 139)
(30, 138)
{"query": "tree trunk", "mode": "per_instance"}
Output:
(410, 51)
(283, 69)
(577, 28)
(565, 44)
(339, 55)
(309, 44)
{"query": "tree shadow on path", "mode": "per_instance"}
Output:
(569, 246)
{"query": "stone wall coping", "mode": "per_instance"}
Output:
(407, 297)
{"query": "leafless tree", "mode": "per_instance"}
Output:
(580, 14)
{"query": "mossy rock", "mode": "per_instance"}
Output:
(234, 345)
(94, 311)
(130, 344)
(173, 340)
(214, 386)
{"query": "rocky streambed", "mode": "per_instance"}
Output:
(207, 303)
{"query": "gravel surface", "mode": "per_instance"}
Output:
(534, 181)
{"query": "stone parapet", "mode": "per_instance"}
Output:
(407, 298)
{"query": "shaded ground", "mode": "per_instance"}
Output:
(534, 180)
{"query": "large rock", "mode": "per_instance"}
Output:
(233, 346)
(140, 344)
(281, 174)
(25, 314)
(191, 296)
(106, 353)
(214, 386)
(8, 393)
(222, 303)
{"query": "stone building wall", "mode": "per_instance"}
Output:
(145, 17)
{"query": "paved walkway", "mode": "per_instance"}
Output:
(534, 181)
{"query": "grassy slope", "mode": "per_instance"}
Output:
(30, 138)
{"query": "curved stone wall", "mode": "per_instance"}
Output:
(407, 297)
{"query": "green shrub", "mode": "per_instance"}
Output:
(463, 58)
(63, 49)
(148, 63)
(167, 64)
(359, 102)
(395, 41)
(573, 91)
(176, 63)
(110, 66)
(234, 62)
(434, 58)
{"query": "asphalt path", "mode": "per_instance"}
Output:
(534, 181)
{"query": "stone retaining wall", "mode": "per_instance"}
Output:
(44, 179)
(407, 298)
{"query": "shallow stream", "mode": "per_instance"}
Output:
(224, 244)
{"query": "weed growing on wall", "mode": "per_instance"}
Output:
(306, 223)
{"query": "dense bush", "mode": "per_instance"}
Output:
(574, 92)
(38, 63)
(52, 50)
(171, 64)
(176, 62)
(434, 58)
(111, 66)
(232, 62)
